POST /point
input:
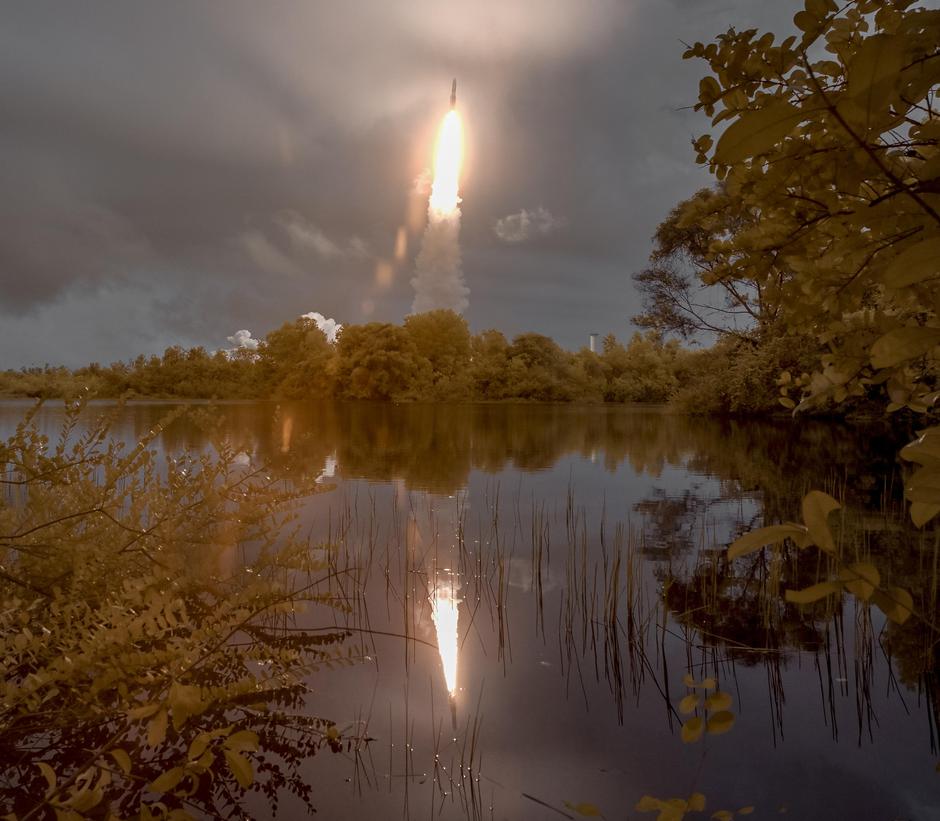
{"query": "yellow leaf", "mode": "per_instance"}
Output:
(243, 740)
(808, 595)
(689, 703)
(901, 344)
(923, 512)
(745, 810)
(185, 701)
(872, 76)
(49, 774)
(122, 759)
(647, 804)
(722, 815)
(861, 579)
(692, 730)
(688, 681)
(143, 712)
(240, 767)
(816, 509)
(917, 262)
(720, 722)
(697, 802)
(718, 701)
(167, 781)
(895, 602)
(756, 131)
(756, 539)
(710, 683)
(156, 731)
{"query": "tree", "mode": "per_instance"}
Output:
(489, 365)
(296, 361)
(380, 361)
(443, 339)
(538, 369)
(690, 246)
(836, 158)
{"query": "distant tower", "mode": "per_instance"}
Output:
(593, 341)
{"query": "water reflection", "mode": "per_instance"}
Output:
(575, 560)
(446, 616)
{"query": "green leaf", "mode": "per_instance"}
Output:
(861, 579)
(720, 722)
(808, 595)
(901, 344)
(756, 131)
(692, 730)
(816, 509)
(757, 539)
(914, 264)
(241, 768)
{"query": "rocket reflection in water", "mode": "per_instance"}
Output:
(444, 612)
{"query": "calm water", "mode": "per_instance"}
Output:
(561, 568)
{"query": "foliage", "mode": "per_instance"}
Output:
(432, 357)
(151, 662)
(832, 149)
(688, 264)
(736, 376)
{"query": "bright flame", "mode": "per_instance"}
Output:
(447, 156)
(444, 612)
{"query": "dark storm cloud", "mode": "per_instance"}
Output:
(172, 172)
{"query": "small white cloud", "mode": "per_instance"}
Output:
(527, 224)
(330, 327)
(242, 339)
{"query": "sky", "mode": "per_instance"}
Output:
(174, 172)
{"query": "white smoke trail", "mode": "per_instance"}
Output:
(438, 279)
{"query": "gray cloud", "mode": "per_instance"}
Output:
(201, 168)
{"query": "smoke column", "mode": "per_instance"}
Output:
(438, 279)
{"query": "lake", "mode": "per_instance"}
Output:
(530, 586)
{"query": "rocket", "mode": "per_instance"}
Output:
(453, 94)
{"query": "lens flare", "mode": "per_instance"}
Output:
(444, 612)
(448, 154)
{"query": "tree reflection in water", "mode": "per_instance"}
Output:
(603, 595)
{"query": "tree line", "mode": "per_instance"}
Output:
(430, 357)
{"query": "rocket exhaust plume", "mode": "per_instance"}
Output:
(438, 279)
